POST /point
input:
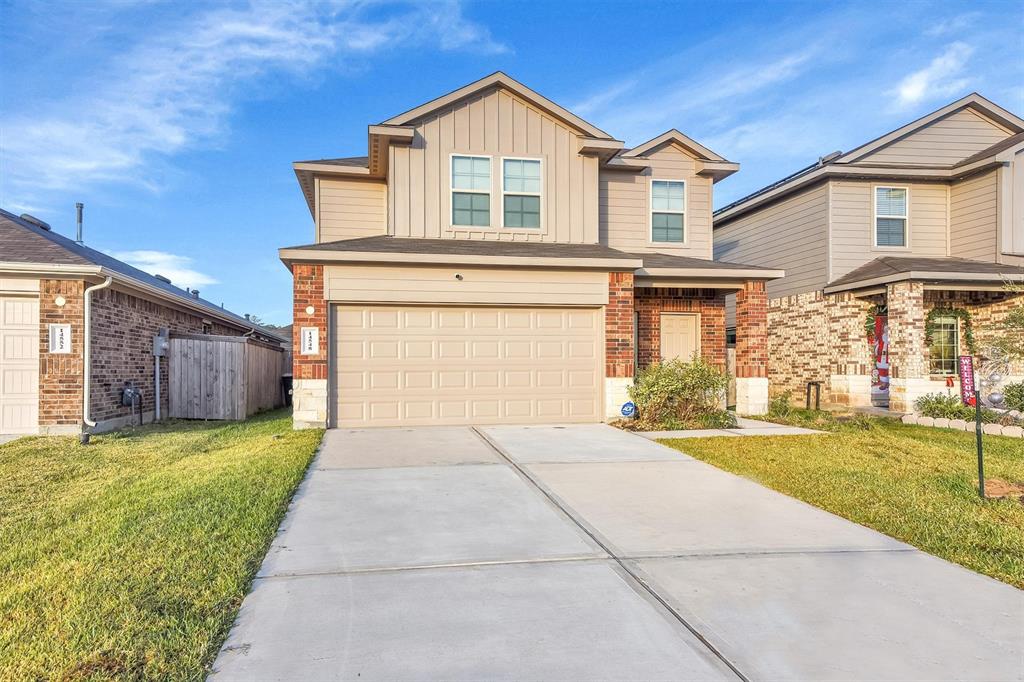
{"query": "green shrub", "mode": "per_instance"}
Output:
(677, 395)
(781, 406)
(1013, 394)
(941, 405)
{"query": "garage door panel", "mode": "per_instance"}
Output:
(411, 366)
(19, 364)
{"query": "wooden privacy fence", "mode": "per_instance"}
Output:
(222, 377)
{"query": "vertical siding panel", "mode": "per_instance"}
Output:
(576, 199)
(446, 135)
(403, 192)
(477, 125)
(549, 132)
(534, 142)
(562, 189)
(505, 123)
(490, 103)
(462, 128)
(590, 200)
(418, 188)
(433, 181)
(393, 191)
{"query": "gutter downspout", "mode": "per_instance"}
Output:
(87, 359)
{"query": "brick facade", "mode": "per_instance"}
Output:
(708, 303)
(618, 326)
(60, 375)
(308, 291)
(751, 331)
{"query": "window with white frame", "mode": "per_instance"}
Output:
(471, 191)
(890, 216)
(668, 207)
(944, 346)
(521, 192)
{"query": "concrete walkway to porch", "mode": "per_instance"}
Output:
(744, 427)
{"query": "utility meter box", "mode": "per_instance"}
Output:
(161, 343)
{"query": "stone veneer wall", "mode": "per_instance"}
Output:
(309, 372)
(709, 303)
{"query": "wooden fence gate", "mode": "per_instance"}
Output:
(222, 377)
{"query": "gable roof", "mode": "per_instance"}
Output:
(897, 268)
(674, 135)
(503, 80)
(843, 164)
(27, 246)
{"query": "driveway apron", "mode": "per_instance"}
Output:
(583, 552)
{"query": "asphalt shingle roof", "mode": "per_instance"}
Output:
(896, 265)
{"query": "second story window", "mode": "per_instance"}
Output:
(521, 192)
(471, 191)
(890, 216)
(668, 207)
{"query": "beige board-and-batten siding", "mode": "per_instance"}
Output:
(222, 377)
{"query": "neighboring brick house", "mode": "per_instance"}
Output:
(497, 259)
(44, 280)
(914, 231)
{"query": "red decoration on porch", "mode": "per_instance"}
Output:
(966, 366)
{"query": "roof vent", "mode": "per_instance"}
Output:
(195, 293)
(35, 221)
(163, 279)
(829, 158)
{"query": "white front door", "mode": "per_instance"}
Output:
(19, 364)
(680, 336)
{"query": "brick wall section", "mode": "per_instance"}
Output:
(60, 375)
(618, 326)
(908, 357)
(708, 303)
(123, 327)
(988, 310)
(308, 290)
(813, 337)
(752, 331)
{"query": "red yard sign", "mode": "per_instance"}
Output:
(967, 380)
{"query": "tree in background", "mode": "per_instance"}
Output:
(1012, 338)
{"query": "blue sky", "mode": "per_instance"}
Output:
(176, 123)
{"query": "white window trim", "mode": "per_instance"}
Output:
(875, 217)
(452, 190)
(956, 324)
(650, 213)
(540, 194)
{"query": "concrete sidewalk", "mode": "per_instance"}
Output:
(744, 427)
(584, 552)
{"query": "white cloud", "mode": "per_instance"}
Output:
(175, 88)
(956, 24)
(941, 78)
(176, 268)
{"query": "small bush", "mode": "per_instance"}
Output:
(677, 395)
(942, 406)
(781, 406)
(1013, 394)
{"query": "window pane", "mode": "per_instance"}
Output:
(667, 227)
(891, 201)
(522, 211)
(891, 231)
(471, 209)
(522, 176)
(471, 173)
(667, 196)
(944, 347)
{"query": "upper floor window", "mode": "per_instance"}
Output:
(471, 190)
(944, 347)
(668, 206)
(521, 192)
(890, 216)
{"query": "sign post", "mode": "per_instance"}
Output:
(969, 393)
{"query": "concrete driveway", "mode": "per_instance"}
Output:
(583, 552)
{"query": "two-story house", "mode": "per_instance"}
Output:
(895, 253)
(494, 258)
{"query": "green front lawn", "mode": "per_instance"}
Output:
(129, 558)
(916, 484)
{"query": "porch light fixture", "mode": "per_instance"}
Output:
(59, 301)
(310, 310)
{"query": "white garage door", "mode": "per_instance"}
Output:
(19, 364)
(399, 366)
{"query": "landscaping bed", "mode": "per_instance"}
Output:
(129, 558)
(916, 484)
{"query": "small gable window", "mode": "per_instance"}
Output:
(890, 216)
(521, 192)
(668, 207)
(471, 191)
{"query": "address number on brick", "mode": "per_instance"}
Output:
(60, 338)
(310, 340)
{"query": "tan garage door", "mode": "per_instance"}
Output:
(420, 366)
(19, 364)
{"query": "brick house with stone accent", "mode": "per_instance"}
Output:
(915, 232)
(45, 279)
(494, 258)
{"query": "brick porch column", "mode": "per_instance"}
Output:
(752, 349)
(908, 358)
(848, 350)
(618, 339)
(309, 372)
(61, 374)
